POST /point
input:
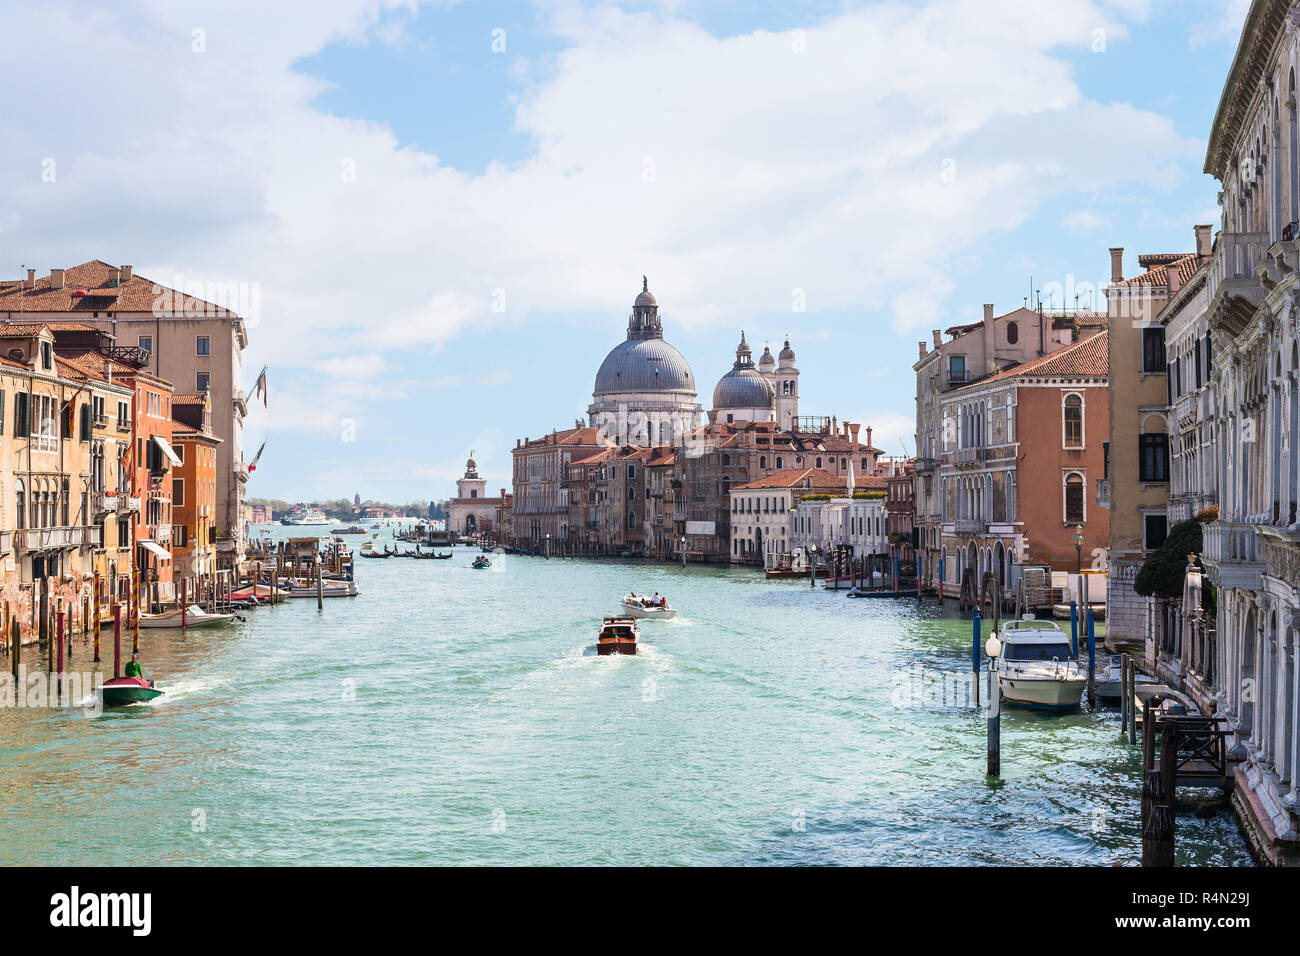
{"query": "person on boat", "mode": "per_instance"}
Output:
(657, 601)
(133, 668)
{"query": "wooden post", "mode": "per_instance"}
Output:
(97, 617)
(1123, 694)
(1132, 700)
(976, 628)
(135, 615)
(320, 590)
(117, 638)
(184, 581)
(16, 638)
(58, 641)
(1074, 629)
(1092, 664)
(1159, 799)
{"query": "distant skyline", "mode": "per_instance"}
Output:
(446, 208)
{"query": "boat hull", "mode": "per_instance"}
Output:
(649, 613)
(610, 648)
(124, 691)
(1041, 693)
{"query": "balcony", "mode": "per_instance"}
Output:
(1233, 288)
(50, 539)
(967, 457)
(124, 426)
(926, 466)
(969, 526)
(1186, 409)
(1231, 547)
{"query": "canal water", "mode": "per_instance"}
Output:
(448, 715)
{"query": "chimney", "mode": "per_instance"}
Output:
(1171, 280)
(126, 273)
(853, 431)
(31, 278)
(56, 278)
(868, 436)
(938, 338)
(113, 275)
(1117, 264)
(922, 344)
(988, 314)
(1204, 239)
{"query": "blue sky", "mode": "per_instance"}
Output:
(447, 237)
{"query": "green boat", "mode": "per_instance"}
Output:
(124, 691)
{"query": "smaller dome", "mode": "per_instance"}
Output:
(765, 361)
(646, 298)
(787, 353)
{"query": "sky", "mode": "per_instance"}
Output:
(441, 211)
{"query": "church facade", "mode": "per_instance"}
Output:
(471, 512)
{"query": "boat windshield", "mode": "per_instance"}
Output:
(1037, 652)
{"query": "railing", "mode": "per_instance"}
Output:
(925, 466)
(1235, 257)
(1186, 406)
(41, 539)
(45, 443)
(101, 420)
(1231, 547)
(969, 525)
(124, 426)
(92, 536)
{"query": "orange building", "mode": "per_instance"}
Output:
(1021, 449)
(194, 489)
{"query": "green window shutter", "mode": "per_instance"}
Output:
(85, 422)
(2, 411)
(21, 400)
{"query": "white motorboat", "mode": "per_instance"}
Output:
(301, 588)
(1108, 678)
(195, 616)
(1036, 669)
(645, 608)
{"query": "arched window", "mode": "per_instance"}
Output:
(1072, 421)
(778, 461)
(762, 461)
(1013, 333)
(20, 493)
(1074, 512)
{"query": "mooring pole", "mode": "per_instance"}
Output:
(1132, 700)
(117, 638)
(184, 581)
(1092, 664)
(995, 726)
(1074, 629)
(58, 640)
(320, 589)
(975, 651)
(97, 617)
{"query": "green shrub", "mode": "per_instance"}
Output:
(1163, 573)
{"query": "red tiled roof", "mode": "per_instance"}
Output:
(136, 294)
(32, 328)
(1158, 266)
(1087, 358)
(813, 479)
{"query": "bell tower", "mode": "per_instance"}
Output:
(786, 382)
(471, 486)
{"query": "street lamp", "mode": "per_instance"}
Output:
(812, 565)
(548, 544)
(1078, 548)
(683, 550)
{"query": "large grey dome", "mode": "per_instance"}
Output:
(644, 365)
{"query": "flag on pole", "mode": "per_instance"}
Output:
(252, 465)
(260, 387)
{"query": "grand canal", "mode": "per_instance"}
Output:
(448, 715)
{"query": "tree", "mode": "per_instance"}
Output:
(1163, 573)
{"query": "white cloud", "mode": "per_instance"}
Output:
(901, 139)
(1086, 220)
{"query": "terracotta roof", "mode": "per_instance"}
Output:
(189, 398)
(1158, 265)
(32, 328)
(568, 436)
(134, 295)
(1087, 358)
(817, 480)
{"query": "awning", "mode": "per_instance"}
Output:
(157, 549)
(167, 449)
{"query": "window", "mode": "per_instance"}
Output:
(1013, 333)
(146, 343)
(956, 368)
(1155, 528)
(1153, 350)
(47, 355)
(1153, 458)
(1074, 498)
(202, 381)
(178, 492)
(20, 498)
(1073, 421)
(202, 345)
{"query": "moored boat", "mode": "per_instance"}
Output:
(1036, 669)
(618, 635)
(123, 691)
(646, 608)
(194, 616)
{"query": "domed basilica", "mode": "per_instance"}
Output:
(645, 391)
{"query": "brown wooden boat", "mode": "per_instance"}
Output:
(618, 635)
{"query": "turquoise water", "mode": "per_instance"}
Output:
(448, 715)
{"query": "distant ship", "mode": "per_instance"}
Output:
(305, 516)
